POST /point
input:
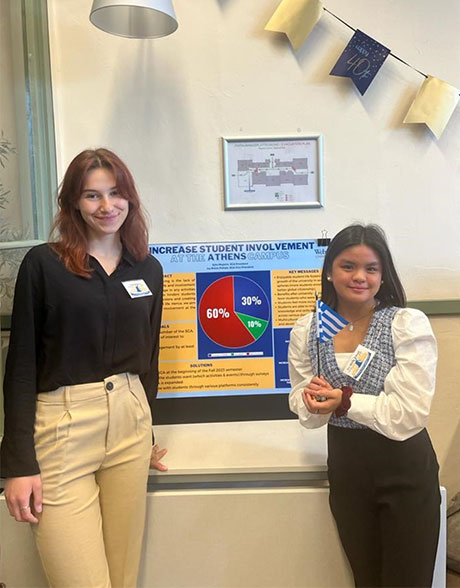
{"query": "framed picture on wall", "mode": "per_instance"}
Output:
(273, 172)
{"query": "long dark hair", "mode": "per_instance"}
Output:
(71, 242)
(391, 292)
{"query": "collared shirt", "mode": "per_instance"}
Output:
(70, 330)
(402, 408)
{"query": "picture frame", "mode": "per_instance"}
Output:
(273, 172)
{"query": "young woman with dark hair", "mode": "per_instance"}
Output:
(383, 472)
(391, 292)
(81, 378)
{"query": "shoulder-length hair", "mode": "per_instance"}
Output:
(71, 242)
(391, 292)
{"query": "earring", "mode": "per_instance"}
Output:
(329, 279)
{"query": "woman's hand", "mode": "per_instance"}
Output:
(155, 459)
(24, 498)
(319, 388)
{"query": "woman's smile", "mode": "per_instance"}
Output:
(101, 206)
(356, 276)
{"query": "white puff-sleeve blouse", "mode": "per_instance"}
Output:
(402, 408)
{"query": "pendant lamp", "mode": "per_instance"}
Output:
(137, 19)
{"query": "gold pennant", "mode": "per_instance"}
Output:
(434, 104)
(295, 18)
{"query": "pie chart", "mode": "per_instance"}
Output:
(234, 311)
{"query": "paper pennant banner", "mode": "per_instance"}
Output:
(434, 104)
(361, 60)
(295, 18)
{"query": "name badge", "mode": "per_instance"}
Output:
(359, 362)
(137, 288)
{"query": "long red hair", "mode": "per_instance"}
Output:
(71, 242)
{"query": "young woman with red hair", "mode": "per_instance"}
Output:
(81, 377)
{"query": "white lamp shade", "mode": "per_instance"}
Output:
(138, 19)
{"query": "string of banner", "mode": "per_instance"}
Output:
(362, 59)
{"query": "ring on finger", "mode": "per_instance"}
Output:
(24, 507)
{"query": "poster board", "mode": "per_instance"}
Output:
(227, 314)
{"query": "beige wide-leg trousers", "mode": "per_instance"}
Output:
(93, 444)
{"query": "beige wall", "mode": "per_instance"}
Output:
(164, 104)
(444, 423)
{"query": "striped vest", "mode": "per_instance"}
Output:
(378, 338)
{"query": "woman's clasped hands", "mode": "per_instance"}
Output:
(320, 397)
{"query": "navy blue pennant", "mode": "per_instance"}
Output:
(361, 60)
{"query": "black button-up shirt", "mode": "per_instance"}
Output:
(70, 330)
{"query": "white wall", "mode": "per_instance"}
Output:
(164, 104)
